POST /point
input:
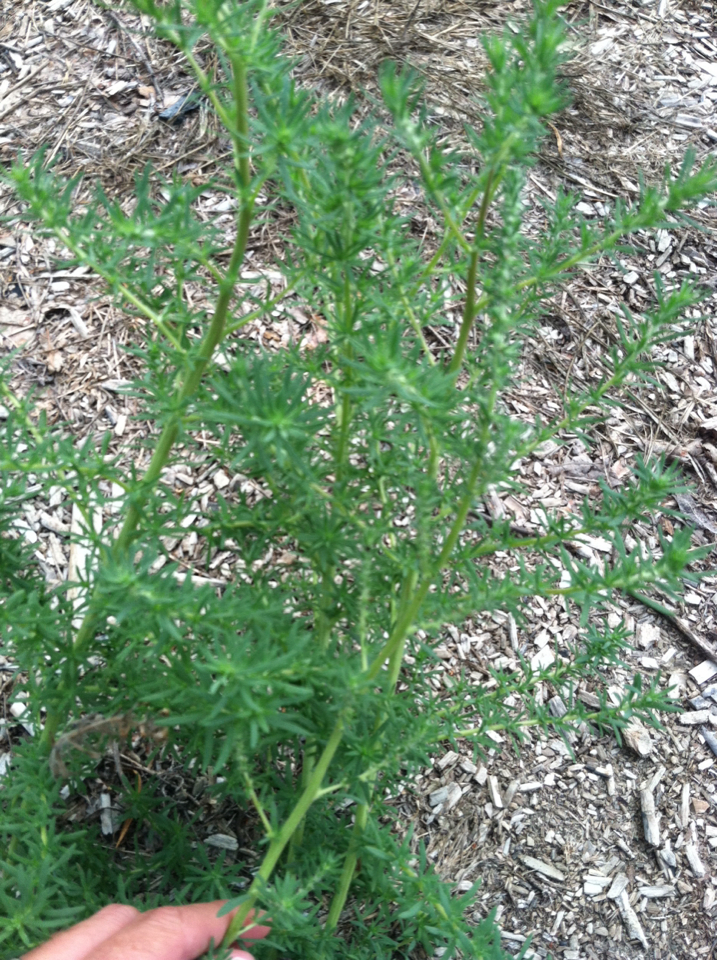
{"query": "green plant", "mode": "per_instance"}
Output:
(371, 456)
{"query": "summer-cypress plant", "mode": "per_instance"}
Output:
(371, 452)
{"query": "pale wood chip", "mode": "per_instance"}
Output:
(221, 480)
(594, 885)
(589, 699)
(438, 796)
(662, 890)
(629, 917)
(557, 707)
(115, 386)
(542, 659)
(704, 671)
(511, 791)
(675, 683)
(50, 522)
(710, 739)
(691, 718)
(200, 581)
(685, 805)
(693, 858)
(223, 841)
(655, 778)
(650, 821)
(637, 738)
(546, 869)
(494, 791)
(530, 786)
(481, 775)
(619, 883)
(647, 634)
(454, 795)
(106, 814)
(447, 760)
(667, 855)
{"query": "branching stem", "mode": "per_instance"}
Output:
(469, 310)
(191, 381)
(311, 791)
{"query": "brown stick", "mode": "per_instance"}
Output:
(704, 645)
(708, 648)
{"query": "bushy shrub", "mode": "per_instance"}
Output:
(360, 459)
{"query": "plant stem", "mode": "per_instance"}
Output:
(393, 652)
(394, 664)
(448, 217)
(347, 874)
(362, 811)
(469, 314)
(279, 842)
(405, 621)
(345, 410)
(307, 768)
(473, 307)
(323, 620)
(191, 382)
(469, 311)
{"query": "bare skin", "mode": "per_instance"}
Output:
(120, 932)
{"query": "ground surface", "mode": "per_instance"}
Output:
(555, 839)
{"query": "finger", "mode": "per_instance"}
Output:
(78, 941)
(168, 933)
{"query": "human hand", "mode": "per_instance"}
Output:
(122, 933)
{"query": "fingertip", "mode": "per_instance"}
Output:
(118, 913)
